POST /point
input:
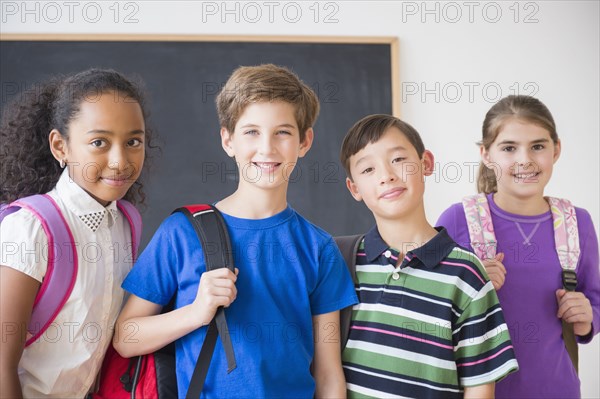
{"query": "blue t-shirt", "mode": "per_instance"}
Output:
(289, 271)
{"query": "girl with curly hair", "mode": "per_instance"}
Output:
(82, 140)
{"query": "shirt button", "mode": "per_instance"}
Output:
(395, 276)
(387, 253)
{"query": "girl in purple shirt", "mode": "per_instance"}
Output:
(518, 150)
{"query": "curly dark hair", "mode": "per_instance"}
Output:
(27, 165)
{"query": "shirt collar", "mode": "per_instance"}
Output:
(436, 249)
(80, 202)
(430, 254)
(374, 245)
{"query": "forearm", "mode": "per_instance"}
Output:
(141, 335)
(327, 362)
(333, 386)
(10, 386)
(480, 392)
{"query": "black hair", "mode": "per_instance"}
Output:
(369, 130)
(27, 165)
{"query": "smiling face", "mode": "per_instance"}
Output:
(522, 157)
(266, 145)
(388, 176)
(105, 150)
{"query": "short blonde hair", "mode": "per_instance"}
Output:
(267, 82)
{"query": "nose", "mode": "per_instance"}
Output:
(117, 159)
(266, 144)
(387, 175)
(524, 159)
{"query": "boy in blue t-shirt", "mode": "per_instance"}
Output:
(289, 279)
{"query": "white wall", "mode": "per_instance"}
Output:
(546, 48)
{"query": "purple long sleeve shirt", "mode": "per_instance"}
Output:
(528, 299)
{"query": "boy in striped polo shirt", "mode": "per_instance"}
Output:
(428, 324)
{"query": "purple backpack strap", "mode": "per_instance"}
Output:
(135, 223)
(62, 267)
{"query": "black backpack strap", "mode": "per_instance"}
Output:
(216, 246)
(348, 246)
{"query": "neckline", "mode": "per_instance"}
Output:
(253, 224)
(513, 217)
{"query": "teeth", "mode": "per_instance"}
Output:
(266, 165)
(525, 176)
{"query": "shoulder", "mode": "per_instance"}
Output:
(467, 266)
(175, 228)
(307, 227)
(584, 219)
(453, 212)
(21, 219)
(455, 221)
(173, 222)
(23, 243)
(22, 226)
(585, 225)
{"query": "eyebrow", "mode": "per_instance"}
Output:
(288, 125)
(101, 131)
(393, 149)
(538, 141)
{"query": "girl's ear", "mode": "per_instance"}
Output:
(485, 155)
(557, 150)
(226, 142)
(428, 163)
(307, 143)
(58, 145)
(353, 189)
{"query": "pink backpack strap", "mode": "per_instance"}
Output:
(566, 238)
(135, 223)
(61, 271)
(479, 223)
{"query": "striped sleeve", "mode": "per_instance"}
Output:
(483, 350)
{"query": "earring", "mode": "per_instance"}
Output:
(62, 163)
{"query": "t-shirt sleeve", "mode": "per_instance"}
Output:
(23, 244)
(154, 275)
(588, 274)
(334, 289)
(482, 347)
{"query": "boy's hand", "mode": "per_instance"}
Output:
(216, 288)
(575, 308)
(496, 270)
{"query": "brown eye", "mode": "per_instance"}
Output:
(134, 142)
(97, 143)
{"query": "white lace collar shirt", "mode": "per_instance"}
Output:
(64, 361)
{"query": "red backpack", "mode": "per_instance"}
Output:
(153, 375)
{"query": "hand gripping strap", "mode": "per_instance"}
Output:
(216, 246)
(479, 222)
(61, 271)
(566, 241)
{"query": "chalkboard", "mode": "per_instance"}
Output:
(352, 77)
